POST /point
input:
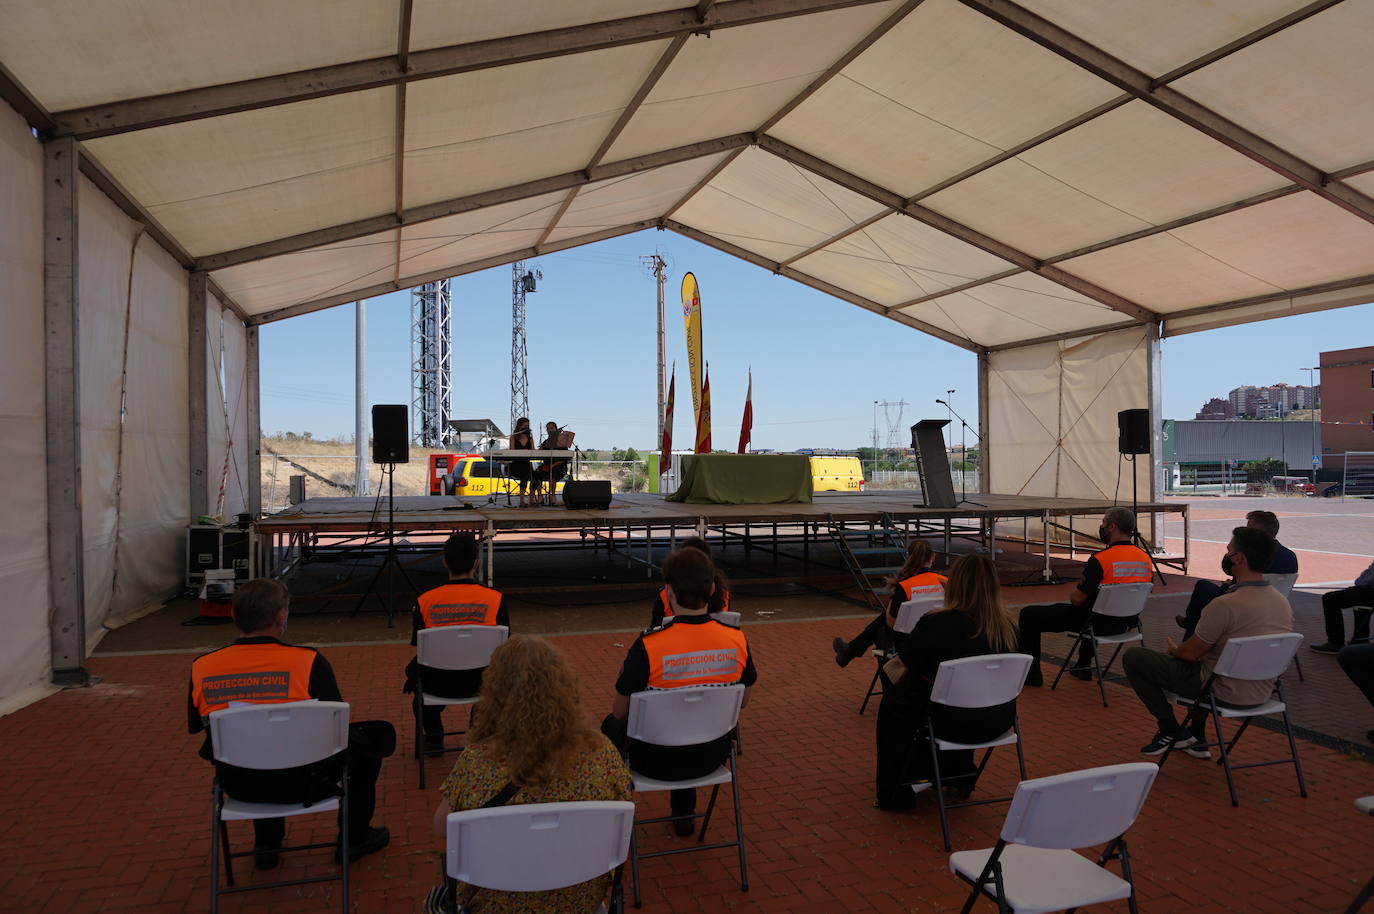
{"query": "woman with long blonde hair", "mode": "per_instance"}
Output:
(914, 579)
(531, 742)
(972, 622)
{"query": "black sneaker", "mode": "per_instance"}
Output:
(434, 745)
(684, 828)
(376, 838)
(841, 648)
(1181, 621)
(266, 856)
(1179, 739)
(1329, 647)
(1084, 673)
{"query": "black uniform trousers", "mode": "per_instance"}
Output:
(1335, 602)
(1204, 592)
(1063, 617)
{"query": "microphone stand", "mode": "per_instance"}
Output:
(963, 448)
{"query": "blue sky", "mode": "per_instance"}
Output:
(819, 363)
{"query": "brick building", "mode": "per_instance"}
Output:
(1347, 402)
(1216, 409)
(1272, 402)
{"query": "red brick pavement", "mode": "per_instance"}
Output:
(107, 807)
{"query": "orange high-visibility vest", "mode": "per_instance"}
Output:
(668, 607)
(692, 654)
(923, 584)
(459, 604)
(260, 673)
(1124, 564)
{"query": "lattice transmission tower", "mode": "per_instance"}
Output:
(431, 363)
(522, 282)
(892, 412)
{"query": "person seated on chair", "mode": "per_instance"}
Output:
(520, 470)
(552, 470)
(1285, 562)
(238, 672)
(720, 597)
(1357, 660)
(1360, 595)
(689, 577)
(1117, 562)
(913, 580)
(531, 744)
(973, 621)
(1252, 607)
(462, 601)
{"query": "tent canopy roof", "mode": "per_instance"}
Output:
(987, 172)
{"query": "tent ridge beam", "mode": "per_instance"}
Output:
(247, 95)
(481, 200)
(838, 236)
(1333, 286)
(949, 226)
(1174, 103)
(963, 287)
(820, 285)
(1068, 335)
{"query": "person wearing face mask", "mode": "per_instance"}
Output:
(1252, 607)
(1285, 561)
(1117, 562)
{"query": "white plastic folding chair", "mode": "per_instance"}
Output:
(971, 683)
(728, 616)
(688, 716)
(450, 647)
(272, 737)
(1256, 658)
(908, 614)
(1119, 601)
(1284, 583)
(1035, 867)
(1365, 805)
(539, 847)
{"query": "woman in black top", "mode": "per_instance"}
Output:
(551, 470)
(521, 440)
(973, 622)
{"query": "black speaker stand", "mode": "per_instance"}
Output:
(1136, 539)
(391, 561)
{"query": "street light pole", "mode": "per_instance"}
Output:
(1312, 407)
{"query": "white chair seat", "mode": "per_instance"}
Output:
(431, 700)
(1365, 805)
(1273, 706)
(1039, 880)
(1123, 638)
(1006, 739)
(647, 784)
(235, 810)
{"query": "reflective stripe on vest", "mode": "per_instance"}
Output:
(261, 673)
(1124, 564)
(923, 584)
(695, 653)
(459, 604)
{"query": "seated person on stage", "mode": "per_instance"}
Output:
(462, 601)
(973, 622)
(1117, 562)
(551, 470)
(222, 676)
(720, 597)
(1252, 607)
(532, 744)
(915, 579)
(689, 577)
(520, 470)
(1285, 562)
(1360, 595)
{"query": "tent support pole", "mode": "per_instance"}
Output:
(984, 451)
(253, 380)
(62, 392)
(197, 394)
(1153, 375)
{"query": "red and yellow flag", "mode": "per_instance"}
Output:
(704, 415)
(666, 446)
(691, 320)
(746, 425)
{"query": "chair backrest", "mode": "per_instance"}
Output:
(728, 616)
(286, 734)
(459, 647)
(910, 612)
(537, 847)
(1258, 656)
(686, 716)
(1078, 808)
(1122, 600)
(980, 682)
(1283, 583)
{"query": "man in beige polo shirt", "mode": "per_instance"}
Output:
(1251, 608)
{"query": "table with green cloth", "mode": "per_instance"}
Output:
(744, 479)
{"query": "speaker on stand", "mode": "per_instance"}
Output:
(390, 446)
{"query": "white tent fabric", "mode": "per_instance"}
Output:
(226, 390)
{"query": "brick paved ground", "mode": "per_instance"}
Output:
(107, 807)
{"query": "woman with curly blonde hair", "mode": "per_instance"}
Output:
(531, 742)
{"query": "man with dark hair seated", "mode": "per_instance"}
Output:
(260, 667)
(1285, 561)
(663, 658)
(462, 601)
(1252, 607)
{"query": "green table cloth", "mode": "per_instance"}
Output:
(744, 479)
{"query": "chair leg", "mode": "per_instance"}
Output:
(871, 683)
(634, 869)
(939, 787)
(419, 709)
(1098, 672)
(1365, 894)
(214, 849)
(1231, 747)
(1126, 874)
(1292, 743)
(1225, 754)
(991, 872)
(710, 808)
(1020, 755)
(343, 840)
(739, 830)
(1068, 658)
(1108, 668)
(1297, 662)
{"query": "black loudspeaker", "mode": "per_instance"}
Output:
(1133, 431)
(587, 493)
(390, 433)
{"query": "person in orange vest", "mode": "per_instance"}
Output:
(260, 667)
(913, 580)
(720, 597)
(1117, 562)
(462, 601)
(689, 577)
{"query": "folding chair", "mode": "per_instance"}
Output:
(688, 717)
(1120, 601)
(272, 737)
(908, 614)
(539, 847)
(1034, 867)
(1283, 583)
(450, 647)
(976, 682)
(1258, 657)
(1366, 807)
(728, 616)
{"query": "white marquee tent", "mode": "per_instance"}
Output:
(1054, 186)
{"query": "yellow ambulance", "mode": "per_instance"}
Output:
(837, 474)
